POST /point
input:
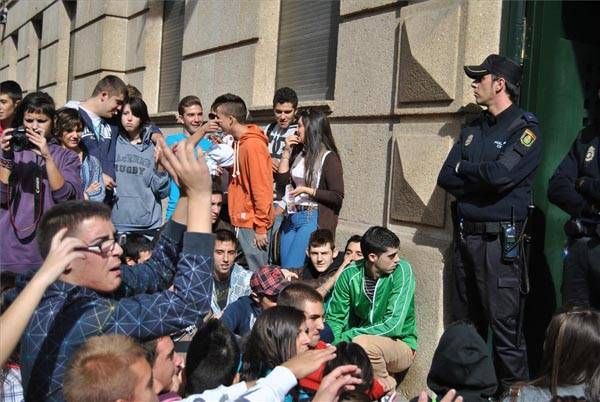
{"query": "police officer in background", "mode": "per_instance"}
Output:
(490, 171)
(575, 188)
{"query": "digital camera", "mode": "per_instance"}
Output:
(19, 140)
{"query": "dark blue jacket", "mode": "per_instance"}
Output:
(239, 316)
(142, 308)
(581, 162)
(103, 148)
(498, 158)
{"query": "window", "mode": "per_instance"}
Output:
(37, 23)
(307, 47)
(71, 8)
(170, 59)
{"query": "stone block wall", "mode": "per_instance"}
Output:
(398, 104)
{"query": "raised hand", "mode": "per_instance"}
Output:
(40, 142)
(63, 250)
(342, 378)
(307, 362)
(449, 397)
(5, 139)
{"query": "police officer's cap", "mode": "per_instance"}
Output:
(497, 65)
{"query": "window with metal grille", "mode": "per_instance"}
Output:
(306, 52)
(170, 59)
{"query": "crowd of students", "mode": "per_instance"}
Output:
(237, 290)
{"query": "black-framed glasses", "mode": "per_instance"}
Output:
(212, 116)
(106, 246)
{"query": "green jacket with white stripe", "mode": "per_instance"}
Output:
(391, 314)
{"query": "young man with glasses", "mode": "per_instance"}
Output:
(97, 295)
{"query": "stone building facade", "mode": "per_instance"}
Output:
(397, 97)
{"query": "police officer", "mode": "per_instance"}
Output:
(490, 171)
(575, 188)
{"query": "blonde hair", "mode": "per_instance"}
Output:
(100, 371)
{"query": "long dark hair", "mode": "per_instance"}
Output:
(353, 353)
(271, 342)
(317, 137)
(139, 110)
(571, 351)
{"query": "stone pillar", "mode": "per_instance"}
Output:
(399, 97)
(54, 60)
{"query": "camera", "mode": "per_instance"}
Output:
(19, 141)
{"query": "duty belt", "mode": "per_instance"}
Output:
(576, 228)
(468, 227)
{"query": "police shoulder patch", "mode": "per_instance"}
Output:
(469, 140)
(589, 155)
(528, 138)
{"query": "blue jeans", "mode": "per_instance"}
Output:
(295, 234)
(255, 257)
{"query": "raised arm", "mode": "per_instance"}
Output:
(150, 315)
(16, 317)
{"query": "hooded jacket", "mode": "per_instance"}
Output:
(462, 361)
(250, 197)
(20, 251)
(140, 186)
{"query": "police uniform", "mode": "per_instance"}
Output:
(490, 172)
(575, 188)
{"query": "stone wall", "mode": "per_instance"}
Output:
(399, 99)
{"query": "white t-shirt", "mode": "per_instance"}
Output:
(297, 174)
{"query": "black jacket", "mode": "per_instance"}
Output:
(581, 162)
(462, 362)
(498, 158)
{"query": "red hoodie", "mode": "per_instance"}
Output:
(250, 196)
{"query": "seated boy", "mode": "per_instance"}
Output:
(352, 250)
(324, 264)
(137, 249)
(373, 305)
(230, 280)
(266, 284)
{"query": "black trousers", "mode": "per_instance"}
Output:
(488, 293)
(581, 273)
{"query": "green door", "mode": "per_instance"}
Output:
(560, 47)
(562, 76)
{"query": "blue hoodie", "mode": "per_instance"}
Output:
(140, 186)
